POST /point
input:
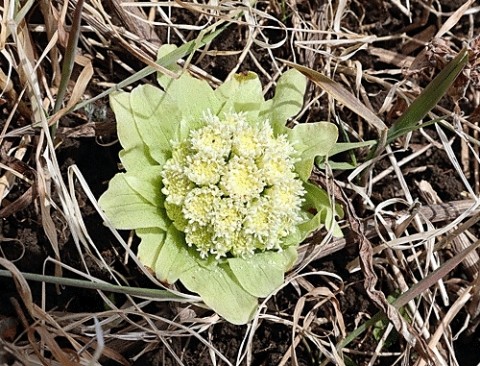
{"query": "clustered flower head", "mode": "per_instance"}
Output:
(216, 186)
(231, 187)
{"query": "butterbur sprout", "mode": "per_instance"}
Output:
(238, 181)
(216, 186)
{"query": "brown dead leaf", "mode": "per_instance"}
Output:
(19, 204)
(77, 93)
(8, 328)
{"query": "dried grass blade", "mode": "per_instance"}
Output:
(19, 204)
(342, 95)
(28, 76)
(47, 9)
(134, 19)
(418, 288)
(52, 345)
(20, 283)
(378, 297)
(77, 93)
(454, 18)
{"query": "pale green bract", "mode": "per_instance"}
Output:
(216, 186)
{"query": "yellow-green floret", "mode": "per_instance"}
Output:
(231, 187)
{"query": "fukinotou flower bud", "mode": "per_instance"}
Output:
(234, 190)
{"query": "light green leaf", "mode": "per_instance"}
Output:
(129, 210)
(151, 242)
(147, 182)
(311, 140)
(174, 258)
(135, 152)
(317, 199)
(340, 147)
(157, 117)
(264, 272)
(306, 228)
(287, 101)
(334, 165)
(242, 93)
(328, 217)
(194, 97)
(220, 290)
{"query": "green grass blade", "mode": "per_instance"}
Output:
(69, 57)
(164, 61)
(429, 97)
(103, 286)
